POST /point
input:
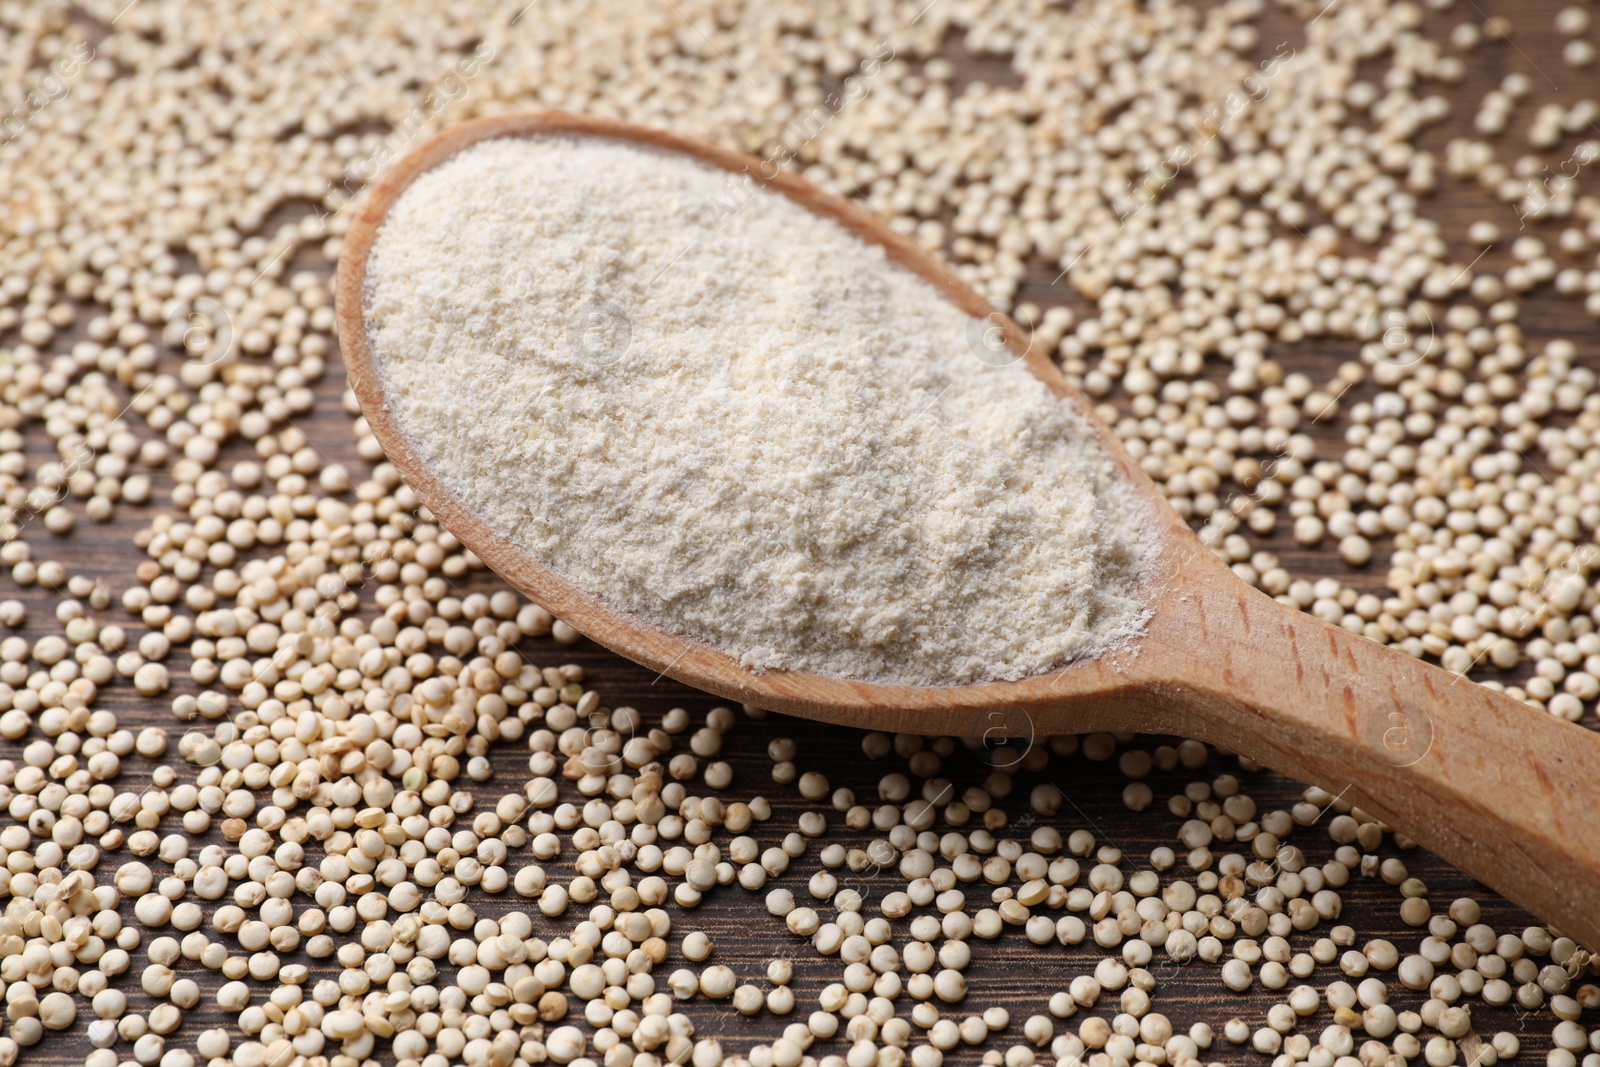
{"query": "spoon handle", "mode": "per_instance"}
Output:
(1505, 792)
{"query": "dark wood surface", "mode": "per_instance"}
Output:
(1010, 971)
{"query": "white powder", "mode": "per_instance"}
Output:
(746, 427)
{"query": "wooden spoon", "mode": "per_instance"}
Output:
(1509, 794)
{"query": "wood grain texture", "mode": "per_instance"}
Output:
(1220, 660)
(1008, 972)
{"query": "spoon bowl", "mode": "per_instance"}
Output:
(1507, 793)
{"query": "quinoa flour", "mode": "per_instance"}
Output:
(742, 423)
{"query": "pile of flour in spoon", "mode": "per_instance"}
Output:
(712, 409)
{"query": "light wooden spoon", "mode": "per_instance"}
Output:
(1507, 793)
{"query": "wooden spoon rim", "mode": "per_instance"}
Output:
(675, 655)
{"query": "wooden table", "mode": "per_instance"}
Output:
(1009, 972)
